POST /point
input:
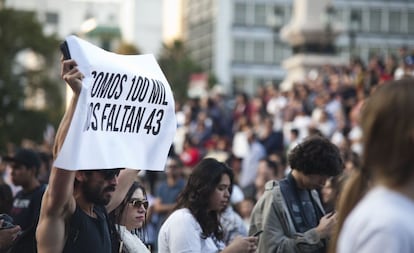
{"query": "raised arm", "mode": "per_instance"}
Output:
(58, 202)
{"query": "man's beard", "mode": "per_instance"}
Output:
(96, 195)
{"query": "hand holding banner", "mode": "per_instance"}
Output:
(125, 115)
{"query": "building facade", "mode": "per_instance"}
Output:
(238, 40)
(375, 27)
(103, 22)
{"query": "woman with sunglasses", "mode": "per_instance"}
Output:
(194, 227)
(129, 218)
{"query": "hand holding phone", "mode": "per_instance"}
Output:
(258, 233)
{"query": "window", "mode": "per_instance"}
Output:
(260, 17)
(375, 20)
(240, 14)
(240, 51)
(340, 15)
(259, 52)
(278, 53)
(355, 20)
(394, 19)
(268, 51)
(410, 18)
(52, 18)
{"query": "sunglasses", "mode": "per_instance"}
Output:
(107, 174)
(138, 203)
(110, 174)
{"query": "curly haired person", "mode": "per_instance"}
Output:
(290, 212)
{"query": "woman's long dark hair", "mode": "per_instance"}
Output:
(196, 195)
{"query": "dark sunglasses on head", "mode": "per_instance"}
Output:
(138, 203)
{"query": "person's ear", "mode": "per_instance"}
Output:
(80, 176)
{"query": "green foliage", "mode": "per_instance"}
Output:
(127, 49)
(177, 66)
(34, 123)
(20, 31)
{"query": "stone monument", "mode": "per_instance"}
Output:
(311, 33)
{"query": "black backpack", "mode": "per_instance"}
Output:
(26, 242)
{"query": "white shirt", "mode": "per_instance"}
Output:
(181, 233)
(382, 222)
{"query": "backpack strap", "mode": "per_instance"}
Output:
(26, 242)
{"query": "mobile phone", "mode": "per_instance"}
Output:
(65, 50)
(258, 233)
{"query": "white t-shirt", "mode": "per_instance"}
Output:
(181, 233)
(382, 222)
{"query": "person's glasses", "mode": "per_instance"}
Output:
(138, 203)
(109, 174)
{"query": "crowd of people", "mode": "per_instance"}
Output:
(299, 170)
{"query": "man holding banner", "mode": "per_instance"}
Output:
(86, 181)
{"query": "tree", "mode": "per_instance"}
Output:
(21, 32)
(177, 66)
(127, 49)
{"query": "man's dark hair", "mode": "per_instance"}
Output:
(316, 155)
(26, 157)
(295, 131)
(177, 160)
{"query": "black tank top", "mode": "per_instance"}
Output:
(87, 234)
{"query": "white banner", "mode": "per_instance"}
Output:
(125, 116)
